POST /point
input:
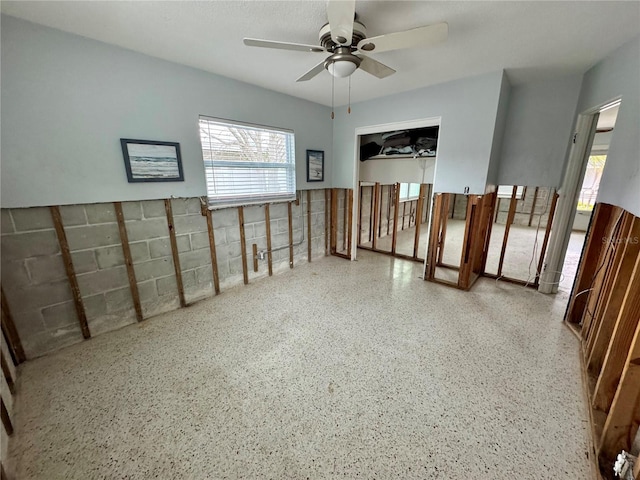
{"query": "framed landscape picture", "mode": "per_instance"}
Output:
(151, 161)
(315, 166)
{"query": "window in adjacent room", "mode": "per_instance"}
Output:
(505, 191)
(409, 191)
(246, 163)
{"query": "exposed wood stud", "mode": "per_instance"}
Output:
(622, 422)
(618, 278)
(419, 206)
(374, 214)
(327, 206)
(3, 474)
(128, 261)
(10, 333)
(379, 209)
(349, 232)
(453, 207)
(371, 214)
(174, 251)
(212, 249)
(6, 419)
(7, 373)
(308, 225)
(359, 213)
(396, 209)
(533, 205)
(290, 221)
(495, 220)
(446, 199)
(243, 245)
(389, 202)
(404, 213)
(267, 222)
(334, 221)
(71, 274)
(507, 228)
(547, 232)
(344, 220)
(255, 257)
(627, 323)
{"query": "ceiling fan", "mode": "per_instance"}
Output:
(345, 38)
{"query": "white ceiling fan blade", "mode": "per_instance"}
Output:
(374, 67)
(341, 14)
(255, 42)
(416, 37)
(312, 73)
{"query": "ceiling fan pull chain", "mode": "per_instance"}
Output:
(349, 109)
(333, 82)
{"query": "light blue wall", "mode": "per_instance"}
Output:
(538, 132)
(67, 101)
(498, 133)
(468, 108)
(618, 75)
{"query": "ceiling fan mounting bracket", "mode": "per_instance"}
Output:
(359, 33)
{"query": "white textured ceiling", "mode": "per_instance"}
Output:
(528, 39)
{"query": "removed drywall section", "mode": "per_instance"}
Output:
(538, 130)
(618, 75)
(36, 285)
(468, 110)
(35, 282)
(105, 93)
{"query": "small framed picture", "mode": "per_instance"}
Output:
(315, 166)
(151, 161)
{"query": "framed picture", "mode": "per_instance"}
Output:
(315, 166)
(151, 161)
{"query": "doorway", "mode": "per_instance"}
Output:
(588, 193)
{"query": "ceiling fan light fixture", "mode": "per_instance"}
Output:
(342, 63)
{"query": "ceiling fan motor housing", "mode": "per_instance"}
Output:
(342, 62)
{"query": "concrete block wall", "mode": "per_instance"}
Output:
(523, 207)
(38, 292)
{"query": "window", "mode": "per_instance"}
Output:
(591, 182)
(409, 190)
(246, 163)
(505, 191)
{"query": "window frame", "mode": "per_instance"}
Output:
(244, 199)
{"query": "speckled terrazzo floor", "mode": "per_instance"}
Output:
(336, 369)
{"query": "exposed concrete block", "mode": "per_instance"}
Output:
(119, 300)
(260, 228)
(160, 267)
(190, 224)
(317, 207)
(233, 234)
(73, 215)
(254, 214)
(229, 250)
(43, 343)
(153, 208)
(145, 229)
(92, 236)
(109, 256)
(161, 305)
(28, 323)
(108, 323)
(103, 280)
(188, 278)
(14, 273)
(225, 217)
(167, 285)
(199, 240)
(278, 211)
(195, 258)
(220, 235)
(38, 296)
(185, 206)
(35, 218)
(235, 266)
(161, 247)
(147, 291)
(139, 251)
(100, 212)
(60, 316)
(84, 261)
(204, 274)
(7, 223)
(95, 306)
(46, 269)
(132, 210)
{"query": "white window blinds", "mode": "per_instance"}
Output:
(247, 163)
